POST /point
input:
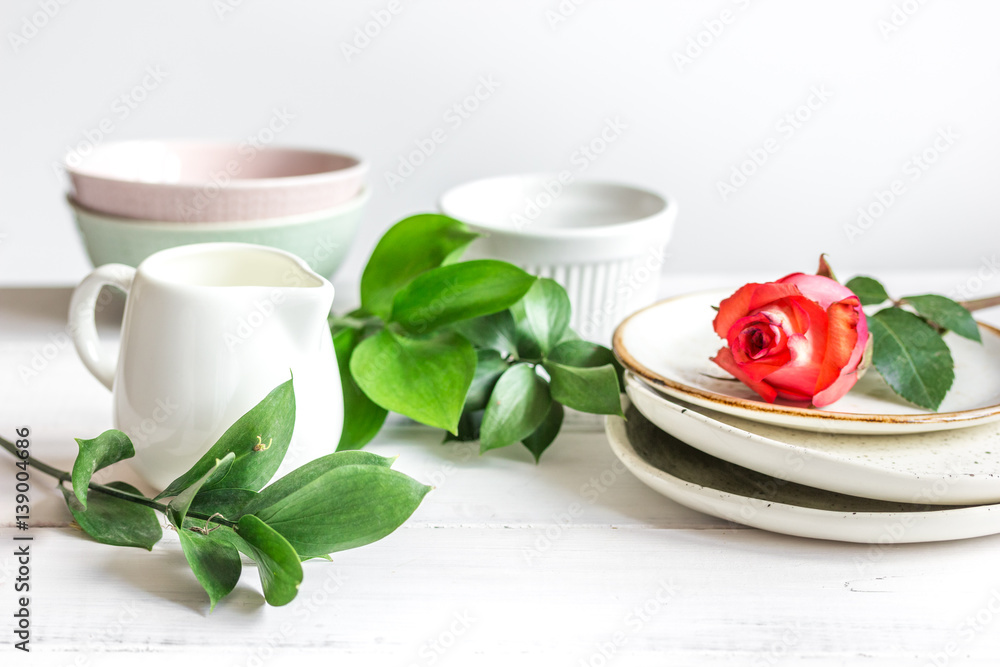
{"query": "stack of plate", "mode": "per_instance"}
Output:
(870, 468)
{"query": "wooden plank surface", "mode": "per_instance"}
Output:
(569, 562)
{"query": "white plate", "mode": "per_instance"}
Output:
(719, 488)
(670, 345)
(960, 467)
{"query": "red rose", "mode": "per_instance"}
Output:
(801, 338)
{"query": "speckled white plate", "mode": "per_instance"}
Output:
(670, 345)
(960, 467)
(719, 488)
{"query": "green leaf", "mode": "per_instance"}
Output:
(912, 357)
(496, 331)
(178, 508)
(308, 473)
(410, 247)
(107, 448)
(489, 367)
(868, 290)
(342, 508)
(546, 432)
(459, 292)
(259, 439)
(947, 314)
(227, 502)
(114, 521)
(214, 560)
(594, 390)
(279, 565)
(223, 533)
(424, 379)
(363, 418)
(468, 427)
(583, 354)
(543, 315)
(518, 405)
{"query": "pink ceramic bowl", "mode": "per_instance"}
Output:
(192, 181)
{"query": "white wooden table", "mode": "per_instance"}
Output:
(570, 562)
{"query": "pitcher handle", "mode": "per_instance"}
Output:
(81, 318)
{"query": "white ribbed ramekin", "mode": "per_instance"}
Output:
(604, 242)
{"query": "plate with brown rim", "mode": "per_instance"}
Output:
(702, 482)
(669, 345)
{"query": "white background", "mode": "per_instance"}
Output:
(892, 89)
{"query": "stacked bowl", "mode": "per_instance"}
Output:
(134, 198)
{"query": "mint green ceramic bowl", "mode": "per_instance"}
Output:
(322, 238)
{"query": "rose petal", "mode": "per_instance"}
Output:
(809, 340)
(845, 348)
(747, 299)
(792, 397)
(771, 331)
(841, 339)
(795, 381)
(822, 290)
(725, 360)
(835, 391)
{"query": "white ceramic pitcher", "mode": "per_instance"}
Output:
(209, 330)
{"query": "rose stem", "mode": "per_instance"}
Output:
(980, 304)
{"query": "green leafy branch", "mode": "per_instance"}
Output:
(479, 348)
(221, 508)
(909, 349)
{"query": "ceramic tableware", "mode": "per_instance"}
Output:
(198, 181)
(670, 344)
(209, 330)
(321, 238)
(694, 479)
(957, 467)
(604, 242)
